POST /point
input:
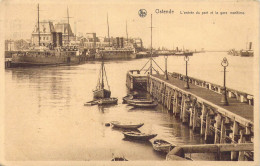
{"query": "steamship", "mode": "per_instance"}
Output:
(243, 53)
(117, 51)
(47, 47)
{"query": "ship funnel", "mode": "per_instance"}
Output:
(250, 45)
(117, 42)
(121, 42)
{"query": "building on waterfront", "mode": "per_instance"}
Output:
(16, 45)
(50, 33)
(90, 40)
(46, 30)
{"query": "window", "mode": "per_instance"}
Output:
(43, 38)
(47, 38)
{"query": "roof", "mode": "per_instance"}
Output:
(63, 28)
(45, 27)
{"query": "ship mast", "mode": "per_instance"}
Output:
(151, 59)
(38, 8)
(108, 31)
(68, 25)
(126, 33)
(102, 74)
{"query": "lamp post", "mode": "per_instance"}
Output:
(166, 72)
(186, 85)
(224, 100)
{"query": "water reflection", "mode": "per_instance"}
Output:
(45, 112)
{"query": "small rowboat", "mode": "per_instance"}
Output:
(119, 159)
(90, 103)
(126, 126)
(105, 101)
(138, 136)
(144, 105)
(162, 145)
(140, 101)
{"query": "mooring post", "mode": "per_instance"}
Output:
(235, 133)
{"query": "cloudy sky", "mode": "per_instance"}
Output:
(193, 31)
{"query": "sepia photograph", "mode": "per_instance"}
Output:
(121, 82)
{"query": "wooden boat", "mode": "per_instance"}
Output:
(126, 98)
(119, 159)
(126, 126)
(140, 101)
(100, 92)
(104, 101)
(138, 136)
(90, 103)
(144, 105)
(162, 145)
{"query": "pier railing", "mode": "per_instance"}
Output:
(243, 97)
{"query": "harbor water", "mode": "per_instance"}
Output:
(45, 116)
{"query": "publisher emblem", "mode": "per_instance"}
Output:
(142, 12)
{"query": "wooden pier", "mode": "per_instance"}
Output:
(200, 108)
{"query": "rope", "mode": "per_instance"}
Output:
(158, 66)
(145, 65)
(106, 78)
(98, 83)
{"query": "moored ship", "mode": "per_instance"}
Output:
(48, 47)
(117, 49)
(42, 56)
(243, 53)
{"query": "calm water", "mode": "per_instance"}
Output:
(46, 119)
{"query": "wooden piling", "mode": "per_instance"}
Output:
(217, 129)
(195, 115)
(235, 132)
(222, 132)
(207, 130)
(241, 154)
(202, 119)
(191, 117)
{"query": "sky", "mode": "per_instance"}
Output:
(192, 31)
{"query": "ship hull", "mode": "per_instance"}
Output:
(116, 54)
(35, 59)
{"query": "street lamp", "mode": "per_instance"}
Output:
(166, 73)
(224, 100)
(186, 85)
